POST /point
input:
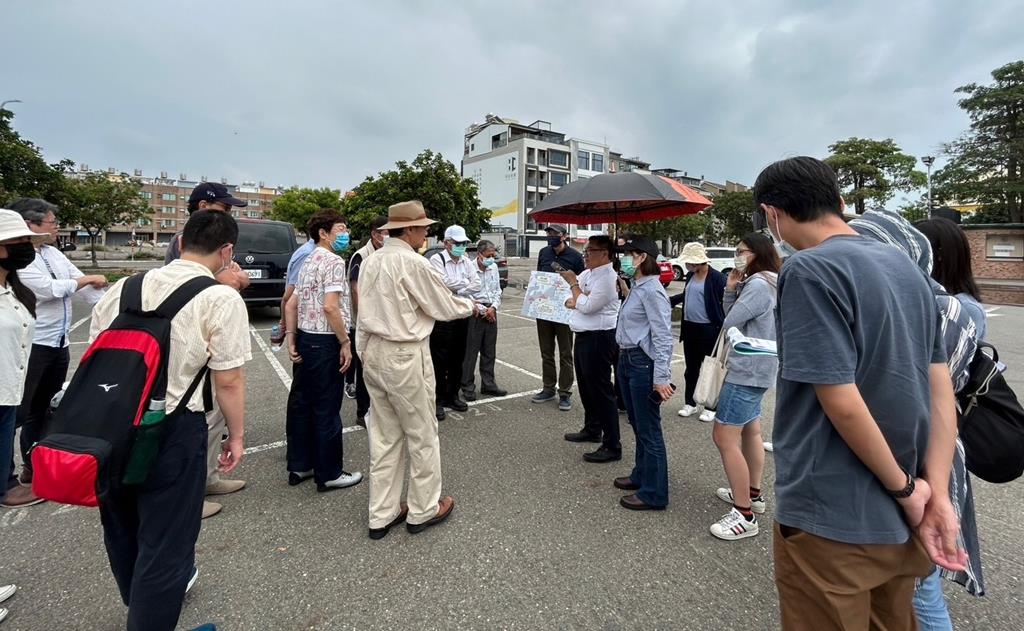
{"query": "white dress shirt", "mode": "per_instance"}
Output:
(16, 329)
(490, 290)
(54, 280)
(597, 308)
(460, 274)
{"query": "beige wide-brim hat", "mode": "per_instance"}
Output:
(12, 226)
(406, 215)
(694, 254)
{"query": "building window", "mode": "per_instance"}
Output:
(531, 177)
(531, 155)
(253, 203)
(542, 178)
(143, 222)
(583, 160)
(169, 197)
(559, 159)
(169, 210)
(559, 179)
(252, 214)
(499, 140)
(597, 163)
(472, 147)
(145, 195)
(167, 223)
(531, 200)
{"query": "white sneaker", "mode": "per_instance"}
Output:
(757, 506)
(343, 481)
(707, 416)
(192, 580)
(6, 591)
(769, 447)
(3, 614)
(733, 526)
(687, 411)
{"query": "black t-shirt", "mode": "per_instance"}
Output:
(569, 259)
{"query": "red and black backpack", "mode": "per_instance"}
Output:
(87, 444)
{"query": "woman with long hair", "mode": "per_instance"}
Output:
(17, 326)
(749, 303)
(951, 266)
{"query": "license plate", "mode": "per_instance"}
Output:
(254, 273)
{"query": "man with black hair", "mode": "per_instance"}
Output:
(374, 243)
(150, 530)
(559, 252)
(865, 417)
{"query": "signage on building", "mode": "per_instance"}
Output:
(1004, 246)
(497, 181)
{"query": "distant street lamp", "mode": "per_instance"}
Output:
(3, 105)
(928, 162)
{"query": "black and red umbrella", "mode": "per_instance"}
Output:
(619, 197)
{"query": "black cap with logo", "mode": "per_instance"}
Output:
(213, 192)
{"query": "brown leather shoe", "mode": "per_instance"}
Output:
(380, 533)
(20, 497)
(633, 503)
(625, 483)
(444, 510)
(26, 476)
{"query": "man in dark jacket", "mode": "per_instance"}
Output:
(703, 315)
(557, 251)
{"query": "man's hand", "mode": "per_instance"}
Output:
(491, 314)
(293, 354)
(665, 390)
(913, 506)
(346, 356)
(938, 532)
(96, 280)
(231, 451)
(569, 276)
(570, 303)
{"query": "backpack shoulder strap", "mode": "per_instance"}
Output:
(202, 377)
(183, 295)
(131, 293)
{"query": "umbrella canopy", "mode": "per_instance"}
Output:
(619, 197)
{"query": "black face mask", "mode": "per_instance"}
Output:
(554, 241)
(19, 256)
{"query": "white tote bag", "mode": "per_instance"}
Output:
(712, 375)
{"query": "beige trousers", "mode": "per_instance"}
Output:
(216, 427)
(402, 426)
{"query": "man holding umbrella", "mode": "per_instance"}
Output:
(548, 333)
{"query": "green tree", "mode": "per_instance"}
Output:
(914, 211)
(731, 216)
(98, 201)
(873, 170)
(678, 229)
(23, 172)
(297, 205)
(986, 164)
(446, 195)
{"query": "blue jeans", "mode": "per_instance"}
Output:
(314, 416)
(636, 377)
(8, 416)
(930, 605)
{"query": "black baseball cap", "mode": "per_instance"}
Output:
(213, 192)
(640, 243)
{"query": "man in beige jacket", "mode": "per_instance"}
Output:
(401, 296)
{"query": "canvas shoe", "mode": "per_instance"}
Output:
(544, 396)
(756, 505)
(769, 446)
(707, 416)
(564, 402)
(6, 591)
(687, 411)
(733, 525)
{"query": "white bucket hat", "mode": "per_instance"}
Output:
(694, 254)
(12, 226)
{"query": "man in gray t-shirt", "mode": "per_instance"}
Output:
(865, 419)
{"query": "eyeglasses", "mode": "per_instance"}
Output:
(49, 221)
(587, 251)
(740, 251)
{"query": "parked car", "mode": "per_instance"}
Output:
(721, 259)
(500, 260)
(262, 251)
(665, 267)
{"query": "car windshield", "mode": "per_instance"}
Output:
(264, 238)
(720, 253)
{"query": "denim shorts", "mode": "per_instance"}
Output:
(739, 405)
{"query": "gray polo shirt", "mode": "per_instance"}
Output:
(851, 310)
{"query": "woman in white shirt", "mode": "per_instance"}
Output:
(17, 325)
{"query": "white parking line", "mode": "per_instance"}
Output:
(276, 365)
(518, 369)
(79, 323)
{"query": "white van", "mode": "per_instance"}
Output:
(721, 259)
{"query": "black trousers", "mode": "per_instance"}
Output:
(448, 351)
(594, 354)
(356, 370)
(698, 342)
(150, 531)
(47, 370)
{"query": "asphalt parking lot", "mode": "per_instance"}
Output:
(537, 539)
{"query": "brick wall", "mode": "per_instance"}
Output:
(1000, 281)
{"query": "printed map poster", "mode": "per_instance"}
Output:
(545, 298)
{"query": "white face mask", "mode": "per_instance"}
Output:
(740, 262)
(784, 249)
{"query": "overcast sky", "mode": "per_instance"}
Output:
(323, 93)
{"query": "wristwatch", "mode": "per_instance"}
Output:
(906, 491)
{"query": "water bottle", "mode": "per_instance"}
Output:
(276, 338)
(146, 444)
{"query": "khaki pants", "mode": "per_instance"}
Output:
(825, 584)
(401, 426)
(216, 428)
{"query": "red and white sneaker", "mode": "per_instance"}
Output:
(733, 525)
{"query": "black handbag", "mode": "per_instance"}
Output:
(991, 421)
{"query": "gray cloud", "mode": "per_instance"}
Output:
(324, 93)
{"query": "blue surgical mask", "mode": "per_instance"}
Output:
(341, 242)
(458, 250)
(489, 261)
(781, 246)
(626, 264)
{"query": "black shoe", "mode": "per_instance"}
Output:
(583, 437)
(456, 404)
(295, 479)
(603, 454)
(380, 533)
(493, 392)
(441, 415)
(469, 395)
(361, 422)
